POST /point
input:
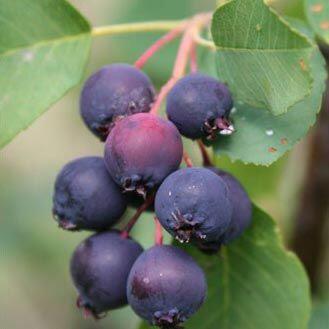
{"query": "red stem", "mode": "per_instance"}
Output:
(159, 44)
(193, 59)
(158, 232)
(187, 159)
(135, 217)
(205, 156)
(182, 58)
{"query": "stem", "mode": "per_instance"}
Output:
(159, 44)
(183, 54)
(205, 156)
(187, 159)
(135, 27)
(158, 233)
(135, 217)
(193, 59)
(204, 42)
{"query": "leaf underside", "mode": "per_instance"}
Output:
(264, 61)
(44, 45)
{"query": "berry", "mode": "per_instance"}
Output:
(141, 151)
(241, 215)
(113, 92)
(100, 267)
(193, 203)
(165, 286)
(86, 197)
(242, 207)
(199, 106)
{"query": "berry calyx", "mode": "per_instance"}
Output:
(113, 92)
(141, 151)
(166, 286)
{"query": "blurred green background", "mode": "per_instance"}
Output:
(35, 287)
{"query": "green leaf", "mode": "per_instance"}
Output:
(253, 283)
(320, 316)
(260, 137)
(262, 58)
(44, 45)
(317, 12)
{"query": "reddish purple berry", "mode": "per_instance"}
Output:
(100, 267)
(113, 92)
(141, 151)
(166, 286)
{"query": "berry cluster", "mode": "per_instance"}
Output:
(143, 152)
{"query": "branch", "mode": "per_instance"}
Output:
(156, 26)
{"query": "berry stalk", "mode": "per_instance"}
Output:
(204, 153)
(193, 59)
(184, 51)
(136, 216)
(158, 232)
(170, 36)
(187, 159)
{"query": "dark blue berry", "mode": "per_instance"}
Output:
(241, 215)
(86, 197)
(100, 267)
(199, 106)
(242, 207)
(193, 203)
(113, 92)
(165, 286)
(141, 151)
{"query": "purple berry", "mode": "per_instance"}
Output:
(141, 151)
(86, 197)
(199, 106)
(193, 203)
(100, 267)
(113, 92)
(241, 215)
(166, 286)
